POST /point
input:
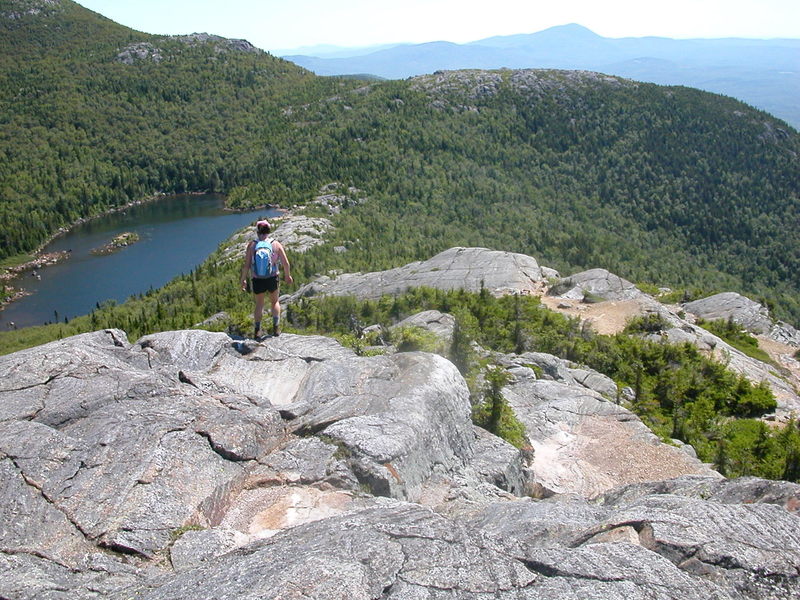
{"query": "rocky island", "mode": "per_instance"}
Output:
(118, 243)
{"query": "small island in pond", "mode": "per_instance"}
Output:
(120, 241)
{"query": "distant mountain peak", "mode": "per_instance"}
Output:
(571, 29)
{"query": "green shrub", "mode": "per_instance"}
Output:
(408, 339)
(648, 288)
(650, 323)
(591, 298)
(735, 335)
(494, 414)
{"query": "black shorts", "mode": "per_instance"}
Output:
(261, 285)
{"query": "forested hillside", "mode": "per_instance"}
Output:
(661, 184)
(96, 115)
(668, 185)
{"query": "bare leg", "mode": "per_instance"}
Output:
(274, 299)
(259, 310)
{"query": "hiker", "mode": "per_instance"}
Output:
(261, 263)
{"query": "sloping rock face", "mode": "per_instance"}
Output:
(729, 305)
(752, 316)
(579, 434)
(457, 268)
(595, 282)
(192, 465)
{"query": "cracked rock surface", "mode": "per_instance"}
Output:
(457, 268)
(192, 465)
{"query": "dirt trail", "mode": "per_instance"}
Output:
(605, 318)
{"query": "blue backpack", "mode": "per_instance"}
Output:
(265, 263)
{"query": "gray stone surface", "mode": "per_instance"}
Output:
(160, 470)
(673, 548)
(439, 324)
(751, 315)
(580, 438)
(552, 368)
(397, 415)
(501, 464)
(742, 490)
(456, 268)
(785, 333)
(297, 233)
(596, 282)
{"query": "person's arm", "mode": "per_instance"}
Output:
(248, 260)
(287, 269)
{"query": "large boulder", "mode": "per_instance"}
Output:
(397, 416)
(595, 283)
(470, 269)
(751, 315)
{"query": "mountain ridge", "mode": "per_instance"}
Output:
(763, 73)
(668, 185)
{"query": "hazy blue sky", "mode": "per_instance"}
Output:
(284, 24)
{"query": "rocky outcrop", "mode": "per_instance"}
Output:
(297, 232)
(300, 233)
(220, 43)
(457, 268)
(334, 197)
(752, 316)
(114, 446)
(593, 285)
(140, 51)
(42, 8)
(192, 465)
(578, 435)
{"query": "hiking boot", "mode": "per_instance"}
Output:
(276, 330)
(257, 334)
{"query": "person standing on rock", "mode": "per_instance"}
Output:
(262, 262)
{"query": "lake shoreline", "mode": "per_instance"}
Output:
(68, 287)
(43, 259)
